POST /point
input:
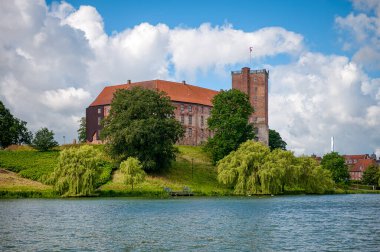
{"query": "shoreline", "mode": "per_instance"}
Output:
(50, 194)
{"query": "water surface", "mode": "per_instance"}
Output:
(292, 223)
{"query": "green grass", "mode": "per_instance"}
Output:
(29, 164)
(192, 168)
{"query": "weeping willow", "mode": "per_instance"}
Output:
(76, 171)
(253, 169)
(132, 170)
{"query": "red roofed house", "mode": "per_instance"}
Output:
(192, 104)
(357, 164)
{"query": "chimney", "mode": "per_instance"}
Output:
(129, 81)
(184, 82)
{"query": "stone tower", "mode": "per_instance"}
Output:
(255, 84)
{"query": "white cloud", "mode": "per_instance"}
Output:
(363, 26)
(55, 61)
(65, 99)
(323, 96)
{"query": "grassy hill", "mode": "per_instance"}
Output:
(192, 169)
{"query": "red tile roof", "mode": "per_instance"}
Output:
(363, 156)
(179, 92)
(362, 165)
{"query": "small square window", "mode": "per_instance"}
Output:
(99, 110)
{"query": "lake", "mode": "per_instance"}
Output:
(287, 223)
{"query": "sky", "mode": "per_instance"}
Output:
(323, 57)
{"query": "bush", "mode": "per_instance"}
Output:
(79, 171)
(44, 140)
(133, 171)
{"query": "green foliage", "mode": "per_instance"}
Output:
(44, 140)
(29, 164)
(82, 130)
(275, 141)
(371, 175)
(132, 170)
(77, 171)
(229, 121)
(192, 168)
(12, 130)
(252, 168)
(312, 177)
(336, 164)
(141, 124)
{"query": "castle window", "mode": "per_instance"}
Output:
(99, 110)
(190, 132)
(202, 121)
(190, 120)
(182, 108)
(99, 120)
(182, 119)
(190, 108)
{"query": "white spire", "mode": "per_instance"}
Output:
(332, 144)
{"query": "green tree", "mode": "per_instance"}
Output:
(275, 140)
(82, 137)
(371, 175)
(335, 163)
(229, 121)
(132, 170)
(240, 168)
(312, 177)
(44, 140)
(141, 124)
(12, 130)
(77, 171)
(253, 168)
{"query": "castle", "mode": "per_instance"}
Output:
(192, 105)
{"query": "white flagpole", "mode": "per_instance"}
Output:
(250, 56)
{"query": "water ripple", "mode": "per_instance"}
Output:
(297, 223)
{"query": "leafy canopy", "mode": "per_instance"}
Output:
(44, 140)
(336, 164)
(82, 130)
(252, 168)
(12, 130)
(229, 121)
(132, 170)
(275, 140)
(371, 176)
(141, 124)
(77, 171)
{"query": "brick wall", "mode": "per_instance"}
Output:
(255, 84)
(196, 132)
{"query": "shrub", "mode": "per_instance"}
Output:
(133, 171)
(78, 171)
(44, 140)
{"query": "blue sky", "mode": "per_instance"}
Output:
(323, 57)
